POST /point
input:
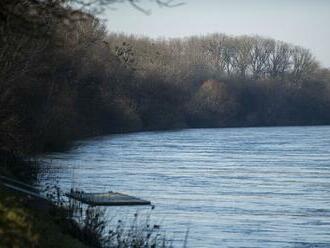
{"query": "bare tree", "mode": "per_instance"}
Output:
(303, 63)
(100, 5)
(242, 59)
(214, 51)
(259, 55)
(279, 59)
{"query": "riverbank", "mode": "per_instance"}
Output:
(29, 218)
(24, 223)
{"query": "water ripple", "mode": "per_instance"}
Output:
(235, 187)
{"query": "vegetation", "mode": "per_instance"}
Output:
(67, 78)
(23, 226)
(136, 233)
(64, 77)
(33, 222)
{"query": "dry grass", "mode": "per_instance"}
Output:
(23, 226)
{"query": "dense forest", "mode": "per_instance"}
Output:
(63, 76)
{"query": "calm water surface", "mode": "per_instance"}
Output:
(240, 187)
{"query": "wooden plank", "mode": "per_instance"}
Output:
(107, 199)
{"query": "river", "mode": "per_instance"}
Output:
(231, 187)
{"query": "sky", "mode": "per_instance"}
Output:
(301, 22)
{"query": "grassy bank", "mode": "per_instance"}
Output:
(34, 221)
(25, 224)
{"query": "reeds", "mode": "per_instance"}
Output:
(94, 227)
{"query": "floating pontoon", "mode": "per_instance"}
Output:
(106, 199)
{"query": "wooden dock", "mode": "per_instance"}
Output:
(93, 199)
(107, 199)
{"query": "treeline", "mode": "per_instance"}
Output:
(222, 80)
(63, 77)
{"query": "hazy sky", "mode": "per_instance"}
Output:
(301, 22)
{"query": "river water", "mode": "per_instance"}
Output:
(231, 187)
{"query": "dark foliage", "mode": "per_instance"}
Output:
(63, 77)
